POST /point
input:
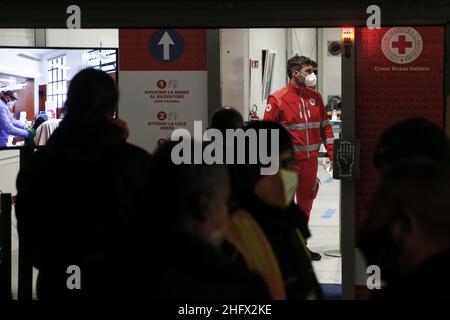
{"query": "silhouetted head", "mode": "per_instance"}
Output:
(92, 95)
(226, 118)
(276, 189)
(409, 217)
(88, 122)
(39, 120)
(190, 197)
(411, 138)
(299, 68)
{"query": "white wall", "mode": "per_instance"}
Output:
(234, 69)
(17, 37)
(329, 66)
(266, 39)
(304, 42)
(82, 38)
(9, 167)
(10, 63)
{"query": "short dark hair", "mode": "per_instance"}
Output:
(249, 174)
(92, 94)
(226, 118)
(412, 138)
(299, 61)
(181, 186)
(285, 140)
(38, 122)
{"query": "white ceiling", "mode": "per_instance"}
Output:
(36, 52)
(4, 77)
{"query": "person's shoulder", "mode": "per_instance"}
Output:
(312, 92)
(36, 164)
(133, 150)
(42, 154)
(133, 158)
(240, 214)
(280, 93)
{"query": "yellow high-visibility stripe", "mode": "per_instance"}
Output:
(303, 148)
(302, 126)
(248, 238)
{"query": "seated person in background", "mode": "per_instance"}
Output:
(44, 132)
(40, 119)
(407, 230)
(188, 222)
(8, 125)
(268, 230)
(91, 195)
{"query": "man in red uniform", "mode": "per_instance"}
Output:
(301, 110)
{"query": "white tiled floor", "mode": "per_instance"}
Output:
(325, 231)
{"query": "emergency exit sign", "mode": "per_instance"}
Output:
(254, 64)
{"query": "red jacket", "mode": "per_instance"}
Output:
(301, 111)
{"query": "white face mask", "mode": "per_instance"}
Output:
(290, 183)
(310, 80)
(11, 104)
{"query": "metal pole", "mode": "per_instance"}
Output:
(25, 286)
(213, 61)
(5, 247)
(348, 210)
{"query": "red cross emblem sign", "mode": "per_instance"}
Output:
(402, 44)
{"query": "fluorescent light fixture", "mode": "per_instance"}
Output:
(29, 56)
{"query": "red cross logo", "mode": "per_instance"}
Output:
(402, 44)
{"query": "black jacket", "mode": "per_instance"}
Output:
(280, 226)
(190, 268)
(79, 203)
(428, 281)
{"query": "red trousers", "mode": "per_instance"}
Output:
(307, 184)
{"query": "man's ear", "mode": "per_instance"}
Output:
(403, 226)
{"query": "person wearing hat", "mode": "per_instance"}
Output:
(8, 125)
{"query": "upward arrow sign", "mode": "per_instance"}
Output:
(166, 41)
